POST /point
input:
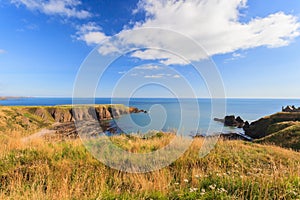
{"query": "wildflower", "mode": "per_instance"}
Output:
(185, 180)
(203, 190)
(176, 183)
(212, 187)
(193, 189)
(221, 190)
(197, 176)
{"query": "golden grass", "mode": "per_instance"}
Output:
(65, 170)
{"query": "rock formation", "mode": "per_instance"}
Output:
(232, 121)
(65, 114)
(290, 109)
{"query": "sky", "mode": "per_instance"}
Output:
(45, 45)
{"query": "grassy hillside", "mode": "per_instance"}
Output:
(21, 121)
(284, 134)
(65, 170)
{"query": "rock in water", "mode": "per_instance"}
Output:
(230, 121)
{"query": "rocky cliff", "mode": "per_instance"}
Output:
(68, 114)
(25, 120)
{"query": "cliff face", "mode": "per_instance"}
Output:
(68, 114)
(25, 120)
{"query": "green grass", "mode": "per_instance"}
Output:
(284, 134)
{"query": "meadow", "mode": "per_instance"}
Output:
(42, 169)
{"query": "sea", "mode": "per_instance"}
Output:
(186, 116)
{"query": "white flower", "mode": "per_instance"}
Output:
(185, 180)
(193, 189)
(212, 187)
(197, 176)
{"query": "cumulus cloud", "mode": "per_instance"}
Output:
(66, 8)
(215, 25)
(90, 33)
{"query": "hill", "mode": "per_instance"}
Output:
(281, 129)
(284, 134)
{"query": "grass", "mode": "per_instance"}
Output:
(66, 170)
(20, 121)
(284, 134)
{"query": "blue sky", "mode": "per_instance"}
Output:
(254, 44)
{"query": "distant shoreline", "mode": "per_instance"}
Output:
(6, 98)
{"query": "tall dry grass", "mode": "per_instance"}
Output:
(65, 170)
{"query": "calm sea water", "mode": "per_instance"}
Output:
(183, 114)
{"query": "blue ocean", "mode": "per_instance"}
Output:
(175, 114)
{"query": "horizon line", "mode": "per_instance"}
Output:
(150, 97)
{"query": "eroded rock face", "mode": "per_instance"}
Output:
(103, 113)
(61, 115)
(43, 113)
(84, 113)
(89, 113)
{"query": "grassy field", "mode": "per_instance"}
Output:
(65, 170)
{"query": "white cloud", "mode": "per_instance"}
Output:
(234, 56)
(154, 76)
(237, 55)
(2, 51)
(66, 8)
(214, 24)
(90, 33)
(167, 58)
(148, 67)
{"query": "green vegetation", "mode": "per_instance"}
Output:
(284, 134)
(21, 120)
